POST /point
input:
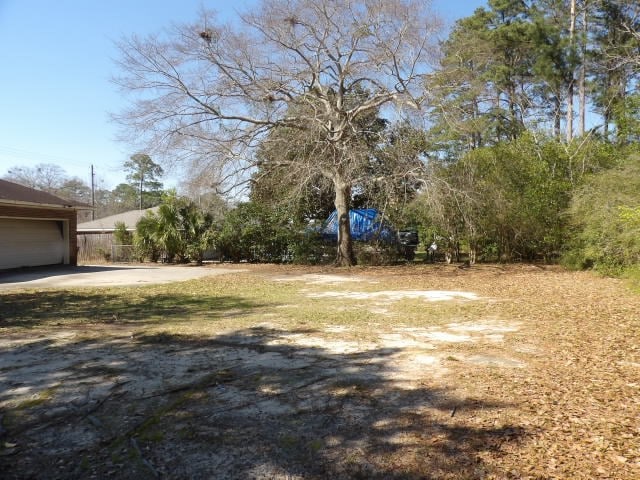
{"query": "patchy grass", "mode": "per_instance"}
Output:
(36, 400)
(198, 306)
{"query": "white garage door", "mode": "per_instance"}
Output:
(27, 243)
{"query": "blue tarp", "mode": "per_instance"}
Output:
(366, 225)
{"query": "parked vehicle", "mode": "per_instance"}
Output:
(368, 226)
(408, 242)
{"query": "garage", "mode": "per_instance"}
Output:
(36, 227)
(27, 243)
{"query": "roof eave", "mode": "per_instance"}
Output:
(46, 205)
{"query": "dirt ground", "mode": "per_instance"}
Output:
(417, 372)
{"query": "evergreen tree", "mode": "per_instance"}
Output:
(143, 174)
(613, 76)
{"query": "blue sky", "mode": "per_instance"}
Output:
(57, 59)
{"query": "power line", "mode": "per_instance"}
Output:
(37, 156)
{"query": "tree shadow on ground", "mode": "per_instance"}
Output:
(252, 403)
(37, 309)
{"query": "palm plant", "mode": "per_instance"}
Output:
(144, 239)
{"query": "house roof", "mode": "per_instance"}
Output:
(19, 194)
(108, 224)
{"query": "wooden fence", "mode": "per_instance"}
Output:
(94, 247)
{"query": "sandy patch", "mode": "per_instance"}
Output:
(397, 295)
(492, 332)
(495, 361)
(400, 340)
(309, 343)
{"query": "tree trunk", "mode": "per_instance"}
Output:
(583, 69)
(477, 136)
(572, 29)
(569, 133)
(344, 255)
(557, 115)
(513, 133)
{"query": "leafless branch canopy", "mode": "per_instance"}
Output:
(207, 94)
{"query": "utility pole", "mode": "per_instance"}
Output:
(93, 193)
(141, 181)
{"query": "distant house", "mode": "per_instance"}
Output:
(95, 238)
(36, 227)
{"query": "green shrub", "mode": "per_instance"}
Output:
(255, 233)
(179, 231)
(507, 202)
(121, 235)
(605, 220)
(309, 249)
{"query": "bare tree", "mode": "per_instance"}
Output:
(208, 94)
(44, 176)
(50, 178)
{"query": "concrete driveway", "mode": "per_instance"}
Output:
(105, 275)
